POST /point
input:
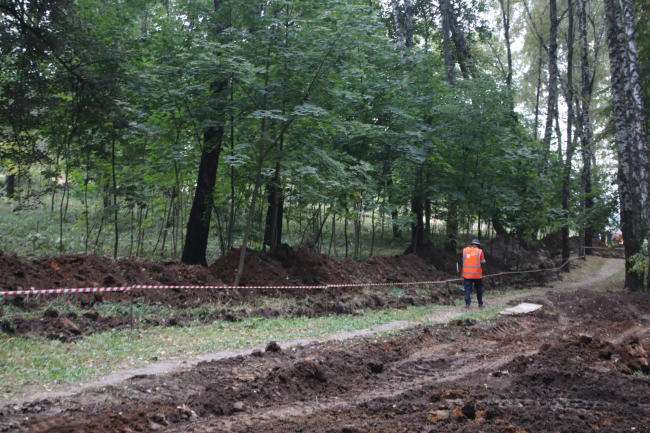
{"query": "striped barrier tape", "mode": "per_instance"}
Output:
(227, 287)
(157, 287)
(59, 291)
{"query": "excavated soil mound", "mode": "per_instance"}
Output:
(282, 266)
(552, 244)
(73, 271)
(499, 257)
(288, 267)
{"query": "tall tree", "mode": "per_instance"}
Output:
(630, 203)
(551, 106)
(445, 16)
(397, 16)
(506, 12)
(198, 224)
(566, 246)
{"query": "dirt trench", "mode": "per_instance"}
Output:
(578, 364)
(282, 266)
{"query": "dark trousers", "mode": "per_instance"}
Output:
(478, 283)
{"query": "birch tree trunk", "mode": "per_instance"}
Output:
(566, 246)
(629, 202)
(587, 203)
(408, 23)
(636, 112)
(398, 24)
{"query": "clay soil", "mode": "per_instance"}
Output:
(567, 367)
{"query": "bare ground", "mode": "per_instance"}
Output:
(567, 367)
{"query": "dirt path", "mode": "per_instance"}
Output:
(441, 315)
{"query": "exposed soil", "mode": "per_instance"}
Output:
(282, 266)
(567, 367)
(552, 247)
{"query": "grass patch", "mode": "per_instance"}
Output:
(31, 361)
(483, 315)
(582, 269)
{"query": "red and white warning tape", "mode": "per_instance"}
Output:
(328, 286)
(225, 287)
(58, 291)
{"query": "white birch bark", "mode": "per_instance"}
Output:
(398, 24)
(408, 13)
(627, 190)
(636, 113)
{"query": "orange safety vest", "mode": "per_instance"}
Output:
(472, 263)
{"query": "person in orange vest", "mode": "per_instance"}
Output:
(473, 258)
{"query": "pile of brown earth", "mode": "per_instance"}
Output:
(283, 266)
(501, 255)
(552, 247)
(581, 363)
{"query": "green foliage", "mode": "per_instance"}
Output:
(639, 261)
(116, 99)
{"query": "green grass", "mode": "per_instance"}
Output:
(583, 269)
(32, 361)
(483, 315)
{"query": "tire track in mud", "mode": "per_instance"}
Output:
(419, 380)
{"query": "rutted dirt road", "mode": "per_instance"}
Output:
(566, 367)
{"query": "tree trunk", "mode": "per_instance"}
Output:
(274, 213)
(629, 200)
(465, 59)
(498, 227)
(417, 208)
(585, 130)
(357, 231)
(539, 87)
(10, 186)
(114, 200)
(505, 16)
(452, 226)
(198, 224)
(427, 220)
(397, 234)
(551, 105)
(408, 23)
(636, 110)
(398, 24)
(446, 41)
(345, 233)
(566, 246)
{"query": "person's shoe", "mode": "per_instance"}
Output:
(481, 305)
(467, 306)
